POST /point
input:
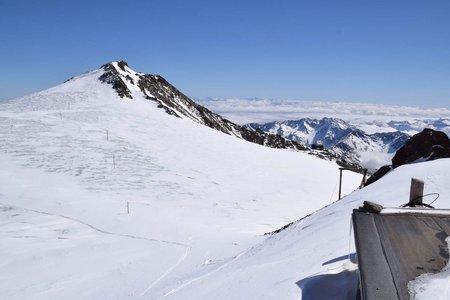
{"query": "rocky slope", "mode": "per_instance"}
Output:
(126, 82)
(425, 146)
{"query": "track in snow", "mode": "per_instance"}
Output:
(167, 272)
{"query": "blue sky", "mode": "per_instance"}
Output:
(392, 52)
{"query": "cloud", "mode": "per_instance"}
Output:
(265, 110)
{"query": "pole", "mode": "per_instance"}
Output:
(416, 192)
(340, 183)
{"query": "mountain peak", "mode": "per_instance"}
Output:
(133, 85)
(123, 79)
(122, 64)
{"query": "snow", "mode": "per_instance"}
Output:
(432, 286)
(317, 251)
(372, 159)
(199, 203)
(414, 210)
(75, 157)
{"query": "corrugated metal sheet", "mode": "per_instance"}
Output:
(393, 249)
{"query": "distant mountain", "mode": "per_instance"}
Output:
(244, 111)
(344, 140)
(415, 126)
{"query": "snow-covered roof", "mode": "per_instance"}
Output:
(397, 245)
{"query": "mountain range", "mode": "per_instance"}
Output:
(344, 140)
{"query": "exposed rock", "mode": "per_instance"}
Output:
(174, 102)
(378, 174)
(111, 76)
(424, 146)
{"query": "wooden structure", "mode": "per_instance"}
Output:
(317, 147)
(416, 192)
(358, 170)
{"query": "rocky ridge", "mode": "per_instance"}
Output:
(126, 82)
(424, 146)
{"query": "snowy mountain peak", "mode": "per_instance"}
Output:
(123, 79)
(133, 85)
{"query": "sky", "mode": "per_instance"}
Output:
(387, 52)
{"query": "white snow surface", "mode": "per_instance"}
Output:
(432, 286)
(314, 258)
(75, 158)
(199, 202)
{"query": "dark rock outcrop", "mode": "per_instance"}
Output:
(424, 146)
(378, 174)
(111, 76)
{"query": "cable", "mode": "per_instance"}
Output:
(332, 193)
(433, 194)
(413, 204)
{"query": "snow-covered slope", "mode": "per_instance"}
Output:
(104, 196)
(315, 257)
(346, 141)
(131, 84)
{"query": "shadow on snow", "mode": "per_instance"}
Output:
(342, 285)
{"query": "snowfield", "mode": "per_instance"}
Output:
(110, 198)
(104, 197)
(316, 256)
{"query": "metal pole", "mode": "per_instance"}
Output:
(416, 192)
(340, 182)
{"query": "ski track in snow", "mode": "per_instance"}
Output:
(182, 258)
(224, 265)
(167, 272)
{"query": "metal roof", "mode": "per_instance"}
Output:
(396, 246)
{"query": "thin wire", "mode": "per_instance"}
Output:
(334, 190)
(426, 195)
(432, 194)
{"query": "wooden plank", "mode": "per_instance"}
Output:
(412, 247)
(375, 275)
(416, 192)
(393, 249)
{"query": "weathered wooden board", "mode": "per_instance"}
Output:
(393, 249)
